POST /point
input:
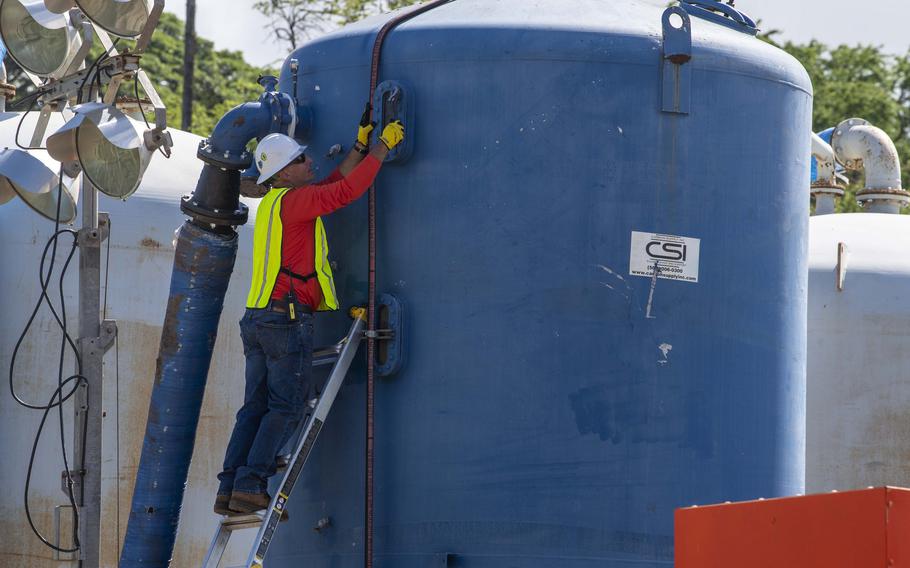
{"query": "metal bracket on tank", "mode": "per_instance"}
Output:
(720, 13)
(390, 350)
(393, 100)
(676, 82)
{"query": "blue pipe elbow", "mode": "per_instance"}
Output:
(240, 125)
(215, 203)
(273, 112)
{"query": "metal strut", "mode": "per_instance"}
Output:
(342, 354)
(371, 306)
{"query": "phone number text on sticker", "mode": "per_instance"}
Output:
(672, 256)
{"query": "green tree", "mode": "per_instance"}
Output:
(348, 11)
(858, 81)
(293, 21)
(222, 79)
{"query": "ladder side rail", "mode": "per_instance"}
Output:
(306, 443)
(217, 548)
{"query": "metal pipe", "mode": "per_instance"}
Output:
(202, 269)
(825, 188)
(824, 155)
(88, 415)
(2, 81)
(216, 199)
(860, 145)
(203, 262)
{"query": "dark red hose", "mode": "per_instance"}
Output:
(371, 336)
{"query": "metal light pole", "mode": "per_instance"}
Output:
(95, 338)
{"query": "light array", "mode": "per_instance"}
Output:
(50, 40)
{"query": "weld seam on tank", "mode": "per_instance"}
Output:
(202, 268)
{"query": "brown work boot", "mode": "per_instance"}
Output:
(222, 505)
(245, 503)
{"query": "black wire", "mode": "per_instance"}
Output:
(19, 127)
(107, 268)
(66, 465)
(31, 464)
(57, 399)
(41, 300)
(103, 57)
(142, 112)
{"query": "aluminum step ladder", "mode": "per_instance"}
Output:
(341, 354)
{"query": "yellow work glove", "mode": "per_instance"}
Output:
(392, 134)
(366, 127)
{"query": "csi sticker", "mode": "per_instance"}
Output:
(671, 256)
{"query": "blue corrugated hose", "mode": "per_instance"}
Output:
(202, 271)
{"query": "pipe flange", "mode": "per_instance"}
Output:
(898, 195)
(838, 133)
(214, 216)
(226, 159)
(825, 188)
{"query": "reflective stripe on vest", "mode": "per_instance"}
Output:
(267, 255)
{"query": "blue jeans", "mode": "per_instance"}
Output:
(279, 355)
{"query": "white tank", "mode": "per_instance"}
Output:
(858, 430)
(141, 256)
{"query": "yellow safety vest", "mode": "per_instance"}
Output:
(267, 255)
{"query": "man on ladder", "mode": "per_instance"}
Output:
(291, 279)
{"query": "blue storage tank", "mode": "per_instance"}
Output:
(558, 401)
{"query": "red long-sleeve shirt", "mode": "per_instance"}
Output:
(299, 209)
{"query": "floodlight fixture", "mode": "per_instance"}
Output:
(22, 174)
(60, 6)
(124, 18)
(40, 41)
(108, 146)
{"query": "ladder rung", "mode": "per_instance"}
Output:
(327, 355)
(239, 522)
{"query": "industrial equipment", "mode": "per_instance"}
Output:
(859, 324)
(602, 330)
(865, 528)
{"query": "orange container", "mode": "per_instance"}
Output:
(854, 529)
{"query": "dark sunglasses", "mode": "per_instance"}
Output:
(301, 159)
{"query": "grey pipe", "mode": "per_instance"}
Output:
(860, 145)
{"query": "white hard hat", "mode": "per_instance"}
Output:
(274, 152)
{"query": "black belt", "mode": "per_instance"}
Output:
(281, 306)
(302, 278)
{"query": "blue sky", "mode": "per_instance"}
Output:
(234, 24)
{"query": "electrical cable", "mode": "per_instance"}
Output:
(19, 127)
(107, 269)
(142, 112)
(57, 399)
(101, 58)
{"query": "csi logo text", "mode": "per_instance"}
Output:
(662, 250)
